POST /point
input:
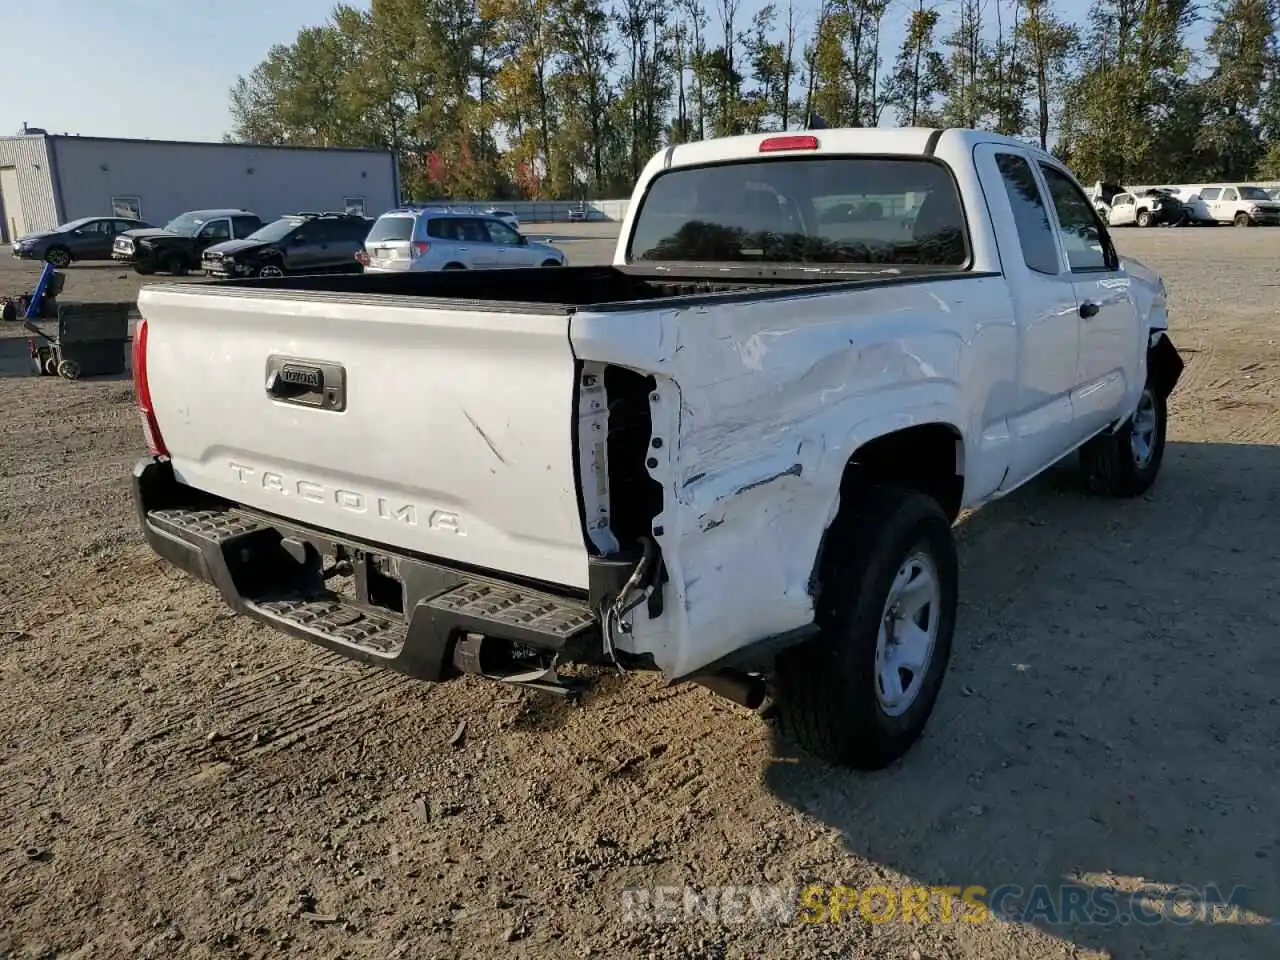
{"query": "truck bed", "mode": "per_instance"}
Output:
(566, 289)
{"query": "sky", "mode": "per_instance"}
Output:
(162, 69)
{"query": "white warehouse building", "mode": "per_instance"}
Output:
(48, 179)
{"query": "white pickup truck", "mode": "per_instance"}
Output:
(734, 456)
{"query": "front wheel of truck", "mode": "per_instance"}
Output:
(860, 693)
(1125, 463)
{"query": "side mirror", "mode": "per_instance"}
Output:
(524, 241)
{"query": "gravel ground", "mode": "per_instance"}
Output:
(175, 781)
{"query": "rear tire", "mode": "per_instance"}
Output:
(1125, 463)
(890, 560)
(453, 266)
(1144, 218)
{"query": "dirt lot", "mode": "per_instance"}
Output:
(173, 779)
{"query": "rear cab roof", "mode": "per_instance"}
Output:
(952, 147)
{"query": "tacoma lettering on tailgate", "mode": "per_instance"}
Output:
(353, 501)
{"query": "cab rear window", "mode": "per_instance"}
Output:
(391, 228)
(812, 210)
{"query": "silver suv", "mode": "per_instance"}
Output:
(411, 239)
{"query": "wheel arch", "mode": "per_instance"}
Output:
(928, 457)
(1164, 362)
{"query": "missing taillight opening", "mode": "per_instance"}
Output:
(620, 499)
(142, 392)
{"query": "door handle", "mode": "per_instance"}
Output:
(1088, 309)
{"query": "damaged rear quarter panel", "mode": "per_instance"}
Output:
(766, 401)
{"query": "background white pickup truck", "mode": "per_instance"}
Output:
(734, 456)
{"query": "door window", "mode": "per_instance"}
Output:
(1230, 194)
(216, 231)
(1210, 194)
(1030, 217)
(1086, 242)
(500, 233)
(471, 231)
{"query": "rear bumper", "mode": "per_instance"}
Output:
(405, 612)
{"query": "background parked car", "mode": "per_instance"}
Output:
(1150, 208)
(176, 249)
(296, 243)
(506, 216)
(89, 238)
(410, 239)
(1242, 205)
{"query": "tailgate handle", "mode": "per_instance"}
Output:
(307, 383)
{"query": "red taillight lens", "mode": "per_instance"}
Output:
(788, 143)
(142, 393)
(362, 257)
(420, 249)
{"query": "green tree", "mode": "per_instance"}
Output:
(1050, 44)
(920, 73)
(1242, 50)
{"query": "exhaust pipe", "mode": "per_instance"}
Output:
(742, 688)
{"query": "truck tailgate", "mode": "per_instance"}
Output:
(442, 431)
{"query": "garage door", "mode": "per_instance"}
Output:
(15, 225)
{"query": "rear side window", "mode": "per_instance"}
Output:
(1210, 193)
(245, 225)
(355, 230)
(1030, 216)
(392, 228)
(816, 210)
(441, 229)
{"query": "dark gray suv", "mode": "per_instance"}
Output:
(89, 238)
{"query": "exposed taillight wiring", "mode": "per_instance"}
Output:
(142, 393)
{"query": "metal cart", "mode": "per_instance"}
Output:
(91, 336)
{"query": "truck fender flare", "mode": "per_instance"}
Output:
(940, 413)
(1164, 362)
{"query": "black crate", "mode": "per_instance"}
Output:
(89, 322)
(94, 336)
